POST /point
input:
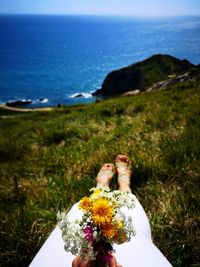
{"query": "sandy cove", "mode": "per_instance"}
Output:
(25, 109)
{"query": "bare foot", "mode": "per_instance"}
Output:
(105, 174)
(123, 166)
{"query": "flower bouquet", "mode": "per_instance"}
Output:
(103, 223)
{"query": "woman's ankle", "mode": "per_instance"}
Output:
(123, 187)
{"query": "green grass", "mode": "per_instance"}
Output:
(46, 156)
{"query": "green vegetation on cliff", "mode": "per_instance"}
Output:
(49, 160)
(142, 75)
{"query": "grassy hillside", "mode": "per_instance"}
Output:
(49, 160)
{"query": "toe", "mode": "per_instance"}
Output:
(110, 166)
(122, 158)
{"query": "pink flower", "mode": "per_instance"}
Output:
(88, 231)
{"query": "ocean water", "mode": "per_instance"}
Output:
(50, 59)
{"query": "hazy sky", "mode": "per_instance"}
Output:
(112, 7)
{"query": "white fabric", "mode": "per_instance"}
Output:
(139, 252)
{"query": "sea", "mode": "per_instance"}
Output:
(50, 59)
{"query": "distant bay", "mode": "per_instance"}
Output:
(56, 58)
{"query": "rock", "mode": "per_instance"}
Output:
(79, 95)
(19, 103)
(143, 75)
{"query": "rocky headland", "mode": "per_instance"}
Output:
(155, 73)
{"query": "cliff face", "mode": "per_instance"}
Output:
(142, 75)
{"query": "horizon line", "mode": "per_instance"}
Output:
(105, 15)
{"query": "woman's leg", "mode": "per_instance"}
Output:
(123, 167)
(141, 250)
(52, 252)
(124, 170)
(105, 174)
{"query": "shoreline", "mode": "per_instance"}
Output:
(2, 106)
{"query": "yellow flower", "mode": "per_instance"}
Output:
(102, 212)
(120, 224)
(85, 204)
(109, 230)
(95, 193)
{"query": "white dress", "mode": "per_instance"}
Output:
(139, 252)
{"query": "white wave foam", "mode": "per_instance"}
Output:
(20, 99)
(41, 100)
(44, 100)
